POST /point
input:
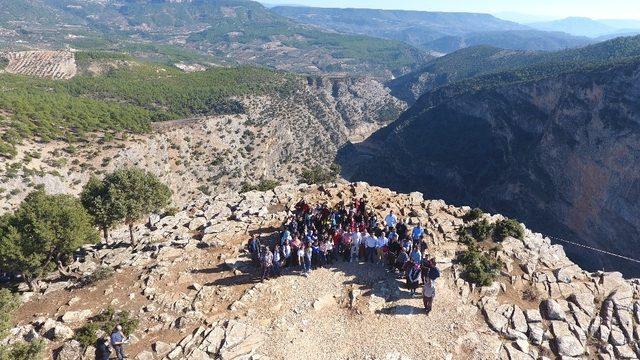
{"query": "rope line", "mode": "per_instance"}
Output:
(596, 249)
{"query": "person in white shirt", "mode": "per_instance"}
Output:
(370, 250)
(356, 240)
(428, 293)
(286, 252)
(381, 242)
(391, 220)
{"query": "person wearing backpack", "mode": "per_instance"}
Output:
(434, 272)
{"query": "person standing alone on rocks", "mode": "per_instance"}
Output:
(117, 342)
(267, 263)
(428, 293)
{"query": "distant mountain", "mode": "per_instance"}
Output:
(462, 64)
(554, 143)
(486, 63)
(621, 23)
(522, 18)
(515, 39)
(578, 26)
(226, 31)
(436, 31)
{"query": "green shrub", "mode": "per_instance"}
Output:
(466, 239)
(87, 335)
(481, 230)
(171, 211)
(101, 273)
(479, 268)
(473, 214)
(204, 189)
(263, 185)
(105, 321)
(508, 228)
(319, 175)
(23, 350)
(9, 302)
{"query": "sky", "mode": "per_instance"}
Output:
(596, 9)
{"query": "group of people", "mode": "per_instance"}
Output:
(115, 340)
(320, 235)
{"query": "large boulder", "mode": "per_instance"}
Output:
(54, 330)
(71, 350)
(76, 316)
(569, 346)
(552, 310)
(240, 340)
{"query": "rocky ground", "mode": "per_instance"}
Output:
(190, 284)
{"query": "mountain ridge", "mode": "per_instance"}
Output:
(433, 31)
(525, 148)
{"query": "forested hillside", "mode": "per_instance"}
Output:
(228, 32)
(485, 66)
(129, 97)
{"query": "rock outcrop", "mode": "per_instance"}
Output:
(197, 299)
(560, 153)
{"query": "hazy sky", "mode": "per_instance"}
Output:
(598, 9)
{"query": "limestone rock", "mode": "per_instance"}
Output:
(552, 310)
(569, 346)
(161, 348)
(533, 315)
(240, 340)
(145, 355)
(71, 350)
(518, 320)
(54, 330)
(76, 316)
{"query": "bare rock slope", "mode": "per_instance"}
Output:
(275, 139)
(193, 288)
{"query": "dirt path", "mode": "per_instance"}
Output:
(311, 318)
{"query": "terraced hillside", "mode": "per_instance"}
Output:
(45, 64)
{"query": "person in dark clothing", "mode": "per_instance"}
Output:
(254, 249)
(401, 229)
(103, 352)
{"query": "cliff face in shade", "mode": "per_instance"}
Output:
(562, 154)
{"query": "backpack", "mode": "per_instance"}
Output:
(434, 273)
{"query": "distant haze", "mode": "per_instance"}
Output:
(540, 10)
